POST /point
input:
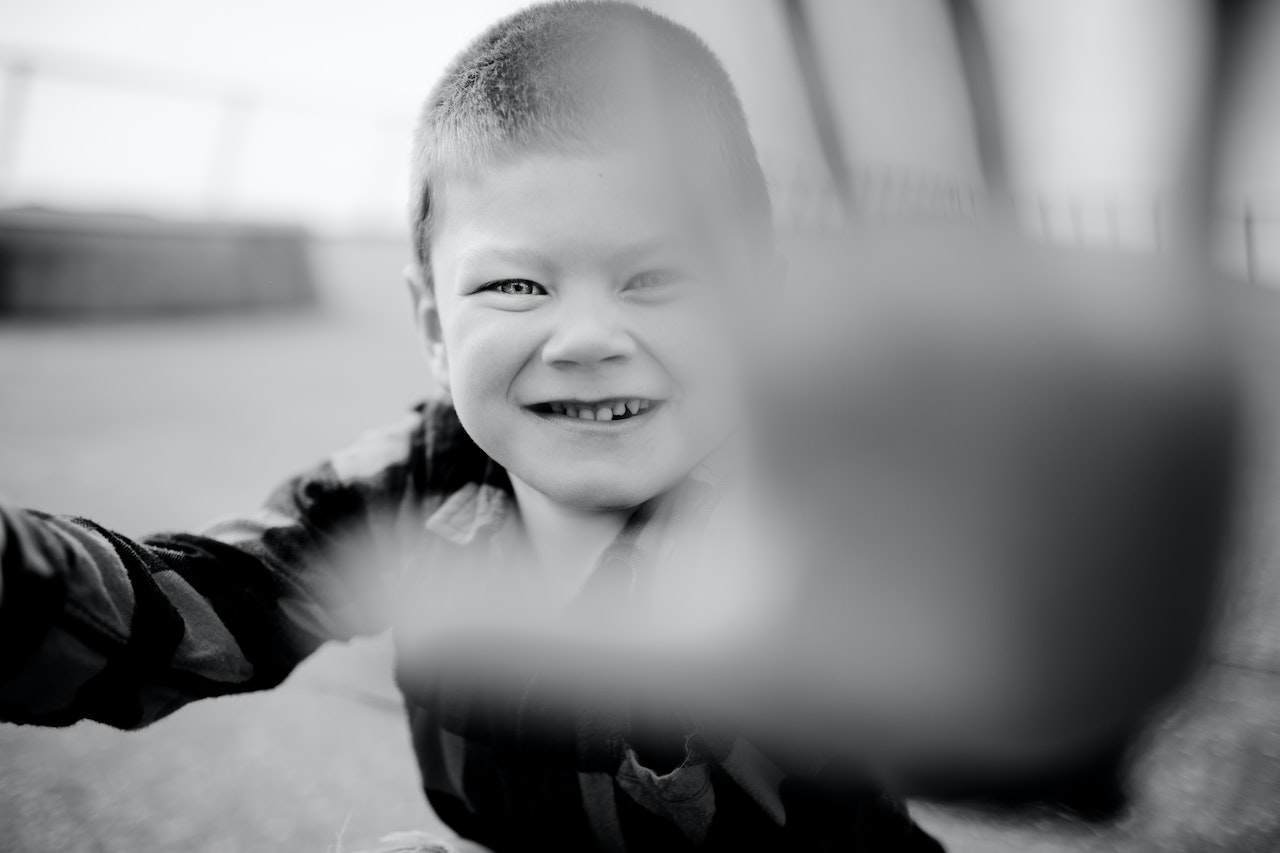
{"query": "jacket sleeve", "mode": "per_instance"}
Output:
(94, 625)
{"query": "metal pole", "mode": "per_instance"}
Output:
(12, 114)
(1157, 225)
(975, 64)
(821, 106)
(1250, 245)
(224, 161)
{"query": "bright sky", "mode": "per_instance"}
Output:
(385, 52)
(334, 86)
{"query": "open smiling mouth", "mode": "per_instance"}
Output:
(609, 409)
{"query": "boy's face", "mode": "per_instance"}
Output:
(584, 306)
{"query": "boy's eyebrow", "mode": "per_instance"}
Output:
(645, 248)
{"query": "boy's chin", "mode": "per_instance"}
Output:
(598, 494)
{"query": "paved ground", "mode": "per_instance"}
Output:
(155, 425)
(166, 424)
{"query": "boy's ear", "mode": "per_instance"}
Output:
(426, 316)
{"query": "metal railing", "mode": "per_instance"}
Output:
(236, 109)
(1246, 238)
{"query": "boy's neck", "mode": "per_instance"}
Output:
(566, 542)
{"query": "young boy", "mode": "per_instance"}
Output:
(587, 212)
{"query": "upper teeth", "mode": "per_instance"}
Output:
(605, 411)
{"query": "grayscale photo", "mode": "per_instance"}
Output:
(639, 425)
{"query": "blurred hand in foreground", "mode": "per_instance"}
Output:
(972, 535)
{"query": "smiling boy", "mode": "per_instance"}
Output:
(588, 212)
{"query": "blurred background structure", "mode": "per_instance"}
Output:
(226, 181)
(291, 114)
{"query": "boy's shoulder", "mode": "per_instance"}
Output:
(421, 463)
(425, 452)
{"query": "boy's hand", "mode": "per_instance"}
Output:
(1007, 470)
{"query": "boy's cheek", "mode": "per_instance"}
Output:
(485, 354)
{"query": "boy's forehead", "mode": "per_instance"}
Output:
(633, 198)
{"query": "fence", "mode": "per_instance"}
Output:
(1246, 239)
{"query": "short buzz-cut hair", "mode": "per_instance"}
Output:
(562, 76)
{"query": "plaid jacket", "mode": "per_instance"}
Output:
(96, 626)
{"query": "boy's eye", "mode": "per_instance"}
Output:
(516, 287)
(651, 280)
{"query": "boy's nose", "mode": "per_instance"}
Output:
(586, 335)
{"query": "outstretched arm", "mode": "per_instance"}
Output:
(94, 625)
